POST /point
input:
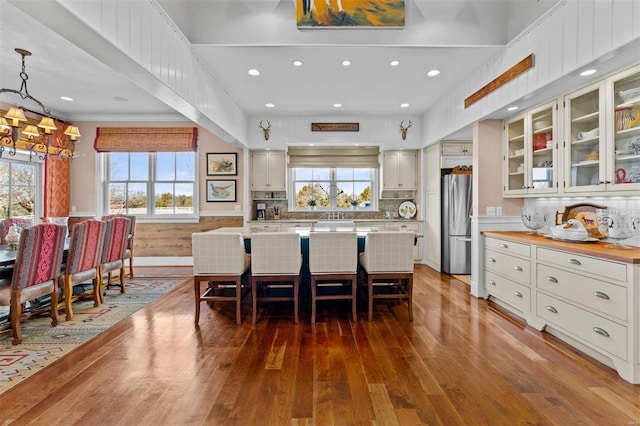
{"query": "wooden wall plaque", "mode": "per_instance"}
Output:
(501, 80)
(335, 127)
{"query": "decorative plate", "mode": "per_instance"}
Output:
(407, 210)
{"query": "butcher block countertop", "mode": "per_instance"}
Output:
(595, 249)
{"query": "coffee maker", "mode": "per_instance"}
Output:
(261, 211)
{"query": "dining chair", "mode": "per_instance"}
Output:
(220, 260)
(36, 272)
(276, 260)
(128, 253)
(115, 245)
(5, 224)
(333, 263)
(387, 267)
(83, 261)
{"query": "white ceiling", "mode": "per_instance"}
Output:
(231, 36)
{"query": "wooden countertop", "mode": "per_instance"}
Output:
(595, 249)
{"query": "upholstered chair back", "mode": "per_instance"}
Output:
(85, 246)
(39, 255)
(132, 227)
(219, 253)
(115, 243)
(388, 251)
(333, 252)
(275, 253)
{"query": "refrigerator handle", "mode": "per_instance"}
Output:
(463, 239)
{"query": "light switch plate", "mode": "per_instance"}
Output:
(491, 211)
(499, 211)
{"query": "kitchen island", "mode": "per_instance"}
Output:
(583, 293)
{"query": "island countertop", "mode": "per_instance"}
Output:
(595, 249)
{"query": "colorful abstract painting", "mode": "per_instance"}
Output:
(350, 13)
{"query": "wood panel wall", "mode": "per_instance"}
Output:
(171, 239)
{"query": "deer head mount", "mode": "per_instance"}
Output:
(265, 130)
(403, 130)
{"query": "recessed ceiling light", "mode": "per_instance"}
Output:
(337, 105)
(513, 108)
(587, 72)
(433, 73)
(120, 99)
(394, 63)
(270, 105)
(346, 63)
(66, 98)
(404, 105)
(357, 144)
(253, 72)
(312, 144)
(297, 63)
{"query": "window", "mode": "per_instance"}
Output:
(152, 184)
(333, 187)
(20, 187)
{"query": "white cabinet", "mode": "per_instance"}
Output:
(459, 148)
(530, 152)
(589, 301)
(399, 170)
(268, 171)
(432, 219)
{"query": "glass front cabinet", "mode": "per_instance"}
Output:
(530, 152)
(602, 135)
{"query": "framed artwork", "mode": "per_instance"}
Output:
(316, 14)
(222, 164)
(221, 190)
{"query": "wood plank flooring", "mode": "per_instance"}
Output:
(462, 361)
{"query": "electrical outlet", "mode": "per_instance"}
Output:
(491, 211)
(499, 211)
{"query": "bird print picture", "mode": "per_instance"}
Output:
(350, 13)
(221, 190)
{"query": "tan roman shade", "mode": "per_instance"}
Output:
(334, 156)
(145, 139)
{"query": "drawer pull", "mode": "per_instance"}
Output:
(491, 259)
(552, 309)
(504, 246)
(574, 262)
(517, 293)
(518, 268)
(601, 331)
(552, 279)
(601, 295)
(492, 282)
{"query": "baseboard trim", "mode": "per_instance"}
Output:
(163, 261)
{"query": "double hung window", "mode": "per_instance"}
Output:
(20, 187)
(151, 184)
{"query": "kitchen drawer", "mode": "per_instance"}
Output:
(508, 266)
(584, 264)
(593, 293)
(511, 292)
(265, 228)
(510, 247)
(602, 333)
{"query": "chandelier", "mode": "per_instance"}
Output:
(32, 140)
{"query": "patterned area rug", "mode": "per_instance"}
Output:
(43, 344)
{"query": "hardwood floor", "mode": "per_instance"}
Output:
(460, 362)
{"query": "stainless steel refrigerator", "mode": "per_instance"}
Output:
(456, 224)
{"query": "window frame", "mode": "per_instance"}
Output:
(291, 171)
(25, 157)
(102, 197)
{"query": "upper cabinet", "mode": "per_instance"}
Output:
(462, 148)
(595, 142)
(585, 137)
(268, 171)
(399, 170)
(530, 152)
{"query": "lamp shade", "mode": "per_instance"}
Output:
(31, 131)
(15, 115)
(72, 132)
(3, 124)
(47, 124)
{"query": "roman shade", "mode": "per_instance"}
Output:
(334, 156)
(145, 139)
